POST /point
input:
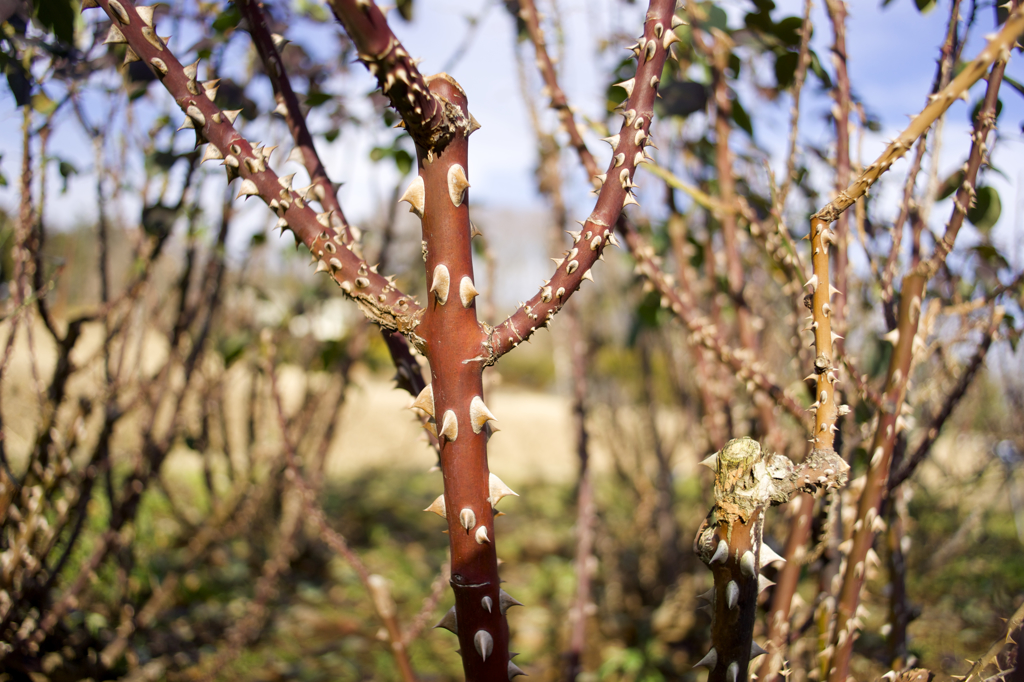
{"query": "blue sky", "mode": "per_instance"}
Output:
(892, 55)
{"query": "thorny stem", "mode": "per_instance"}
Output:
(266, 47)
(730, 541)
(432, 121)
(945, 68)
(528, 13)
(896, 478)
(826, 411)
(452, 341)
(585, 512)
(785, 587)
(803, 62)
(754, 374)
(337, 542)
(409, 376)
(889, 422)
(837, 14)
(377, 296)
(629, 151)
(997, 46)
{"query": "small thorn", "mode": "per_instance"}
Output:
(709, 661)
(732, 595)
(487, 603)
(467, 518)
(747, 564)
(769, 555)
(467, 292)
(483, 643)
(437, 506)
(498, 490)
(248, 188)
(449, 622)
(425, 400)
(415, 195)
(457, 184)
(721, 553)
(732, 673)
(506, 601)
(481, 536)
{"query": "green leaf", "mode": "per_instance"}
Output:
(991, 256)
(405, 9)
(818, 70)
(925, 6)
(43, 104)
(66, 171)
(228, 19)
(403, 160)
(741, 117)
(950, 184)
(785, 69)
(717, 18)
(332, 134)
(986, 209)
(315, 99)
(788, 30)
(1016, 85)
(58, 16)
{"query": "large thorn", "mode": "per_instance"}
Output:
(449, 426)
(732, 672)
(709, 661)
(457, 184)
(479, 414)
(514, 671)
(441, 283)
(769, 555)
(747, 564)
(425, 400)
(481, 536)
(498, 490)
(467, 292)
(732, 595)
(415, 195)
(437, 506)
(756, 649)
(506, 601)
(483, 643)
(711, 462)
(721, 553)
(248, 188)
(449, 622)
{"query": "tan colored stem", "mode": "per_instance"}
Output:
(998, 46)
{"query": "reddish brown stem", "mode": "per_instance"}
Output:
(377, 297)
(868, 521)
(452, 341)
(785, 588)
(409, 376)
(628, 148)
(585, 516)
(256, 21)
(528, 13)
(432, 121)
(841, 93)
(730, 543)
